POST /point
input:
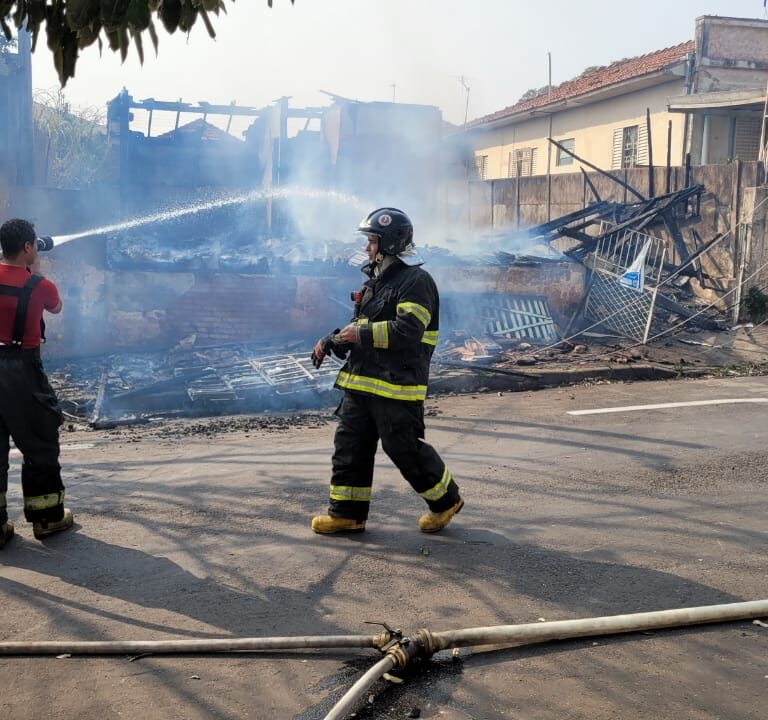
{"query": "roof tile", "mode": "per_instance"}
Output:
(612, 74)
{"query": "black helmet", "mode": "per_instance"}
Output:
(393, 227)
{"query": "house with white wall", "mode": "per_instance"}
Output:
(704, 98)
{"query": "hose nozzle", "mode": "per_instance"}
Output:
(45, 243)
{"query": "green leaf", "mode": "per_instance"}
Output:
(81, 12)
(170, 13)
(138, 15)
(188, 16)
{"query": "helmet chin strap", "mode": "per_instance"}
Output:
(377, 264)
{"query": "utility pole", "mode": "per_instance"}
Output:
(463, 82)
(25, 171)
(394, 89)
(549, 145)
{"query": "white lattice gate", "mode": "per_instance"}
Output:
(610, 301)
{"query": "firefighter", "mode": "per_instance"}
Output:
(29, 410)
(390, 344)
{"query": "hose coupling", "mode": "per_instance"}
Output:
(421, 646)
(386, 639)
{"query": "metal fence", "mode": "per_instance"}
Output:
(627, 269)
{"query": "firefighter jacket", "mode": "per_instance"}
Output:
(398, 320)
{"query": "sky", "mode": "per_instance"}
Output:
(413, 51)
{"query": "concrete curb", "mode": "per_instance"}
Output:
(477, 378)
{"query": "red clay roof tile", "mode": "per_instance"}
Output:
(612, 74)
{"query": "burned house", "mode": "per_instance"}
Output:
(233, 253)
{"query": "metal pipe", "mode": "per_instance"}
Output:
(609, 625)
(213, 645)
(351, 697)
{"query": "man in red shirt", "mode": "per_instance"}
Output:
(29, 409)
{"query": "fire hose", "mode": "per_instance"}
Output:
(399, 650)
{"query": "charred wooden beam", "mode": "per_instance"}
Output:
(592, 187)
(582, 237)
(668, 176)
(607, 174)
(668, 303)
(596, 211)
(651, 185)
(670, 222)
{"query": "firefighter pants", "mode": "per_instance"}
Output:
(363, 421)
(30, 414)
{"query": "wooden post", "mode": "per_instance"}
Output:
(493, 204)
(651, 184)
(740, 259)
(668, 186)
(549, 170)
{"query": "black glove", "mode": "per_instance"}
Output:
(326, 345)
(340, 350)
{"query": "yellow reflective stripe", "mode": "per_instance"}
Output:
(436, 492)
(361, 321)
(422, 314)
(349, 492)
(430, 337)
(43, 502)
(380, 332)
(374, 386)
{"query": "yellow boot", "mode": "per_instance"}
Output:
(6, 533)
(432, 521)
(41, 530)
(327, 525)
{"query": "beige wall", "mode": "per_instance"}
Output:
(591, 127)
(732, 54)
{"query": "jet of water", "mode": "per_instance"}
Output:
(252, 196)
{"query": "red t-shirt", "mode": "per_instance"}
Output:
(44, 297)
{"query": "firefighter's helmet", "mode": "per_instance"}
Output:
(393, 228)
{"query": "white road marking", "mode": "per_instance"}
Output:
(661, 406)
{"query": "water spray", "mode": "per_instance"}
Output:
(252, 196)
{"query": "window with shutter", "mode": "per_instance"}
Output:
(746, 139)
(630, 147)
(481, 167)
(522, 162)
(618, 137)
(641, 157)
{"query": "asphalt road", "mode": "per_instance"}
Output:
(200, 530)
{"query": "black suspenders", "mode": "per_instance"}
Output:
(23, 294)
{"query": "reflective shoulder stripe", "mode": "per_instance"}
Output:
(421, 313)
(349, 492)
(43, 502)
(438, 490)
(430, 337)
(374, 386)
(380, 332)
